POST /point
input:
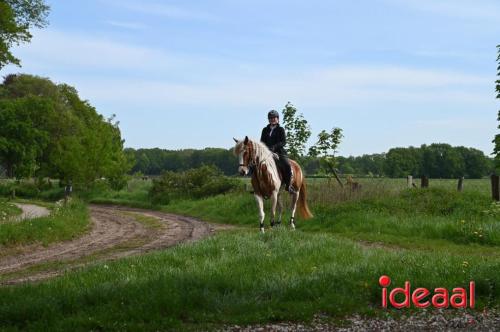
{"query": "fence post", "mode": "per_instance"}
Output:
(460, 186)
(424, 183)
(409, 181)
(495, 187)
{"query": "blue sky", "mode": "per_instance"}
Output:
(182, 74)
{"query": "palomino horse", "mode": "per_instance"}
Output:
(266, 180)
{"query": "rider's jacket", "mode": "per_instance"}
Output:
(275, 139)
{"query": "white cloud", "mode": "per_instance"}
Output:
(327, 87)
(55, 50)
(127, 25)
(160, 78)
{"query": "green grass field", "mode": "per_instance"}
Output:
(64, 223)
(433, 237)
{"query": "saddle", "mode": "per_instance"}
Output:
(281, 169)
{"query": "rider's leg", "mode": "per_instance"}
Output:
(287, 174)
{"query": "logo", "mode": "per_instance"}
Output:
(423, 298)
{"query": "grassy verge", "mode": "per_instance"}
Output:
(8, 210)
(237, 277)
(63, 224)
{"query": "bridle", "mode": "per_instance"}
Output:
(251, 159)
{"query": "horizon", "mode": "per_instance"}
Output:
(184, 75)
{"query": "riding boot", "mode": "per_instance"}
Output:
(288, 179)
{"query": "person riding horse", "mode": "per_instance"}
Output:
(274, 137)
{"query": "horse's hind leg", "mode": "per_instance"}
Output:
(295, 199)
(262, 215)
(274, 200)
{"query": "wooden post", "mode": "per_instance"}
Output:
(409, 181)
(460, 186)
(67, 192)
(495, 187)
(424, 183)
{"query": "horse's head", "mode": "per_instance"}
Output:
(244, 151)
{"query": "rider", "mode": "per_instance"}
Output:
(274, 137)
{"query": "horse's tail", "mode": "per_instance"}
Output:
(302, 206)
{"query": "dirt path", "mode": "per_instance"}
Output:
(31, 211)
(115, 233)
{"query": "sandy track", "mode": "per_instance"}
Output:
(110, 229)
(31, 211)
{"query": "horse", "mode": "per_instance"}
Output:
(266, 180)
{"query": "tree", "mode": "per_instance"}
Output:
(17, 17)
(325, 148)
(297, 131)
(22, 140)
(46, 130)
(401, 162)
(496, 140)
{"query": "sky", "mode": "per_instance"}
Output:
(194, 74)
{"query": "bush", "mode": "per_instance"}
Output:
(195, 183)
(53, 194)
(23, 189)
(118, 182)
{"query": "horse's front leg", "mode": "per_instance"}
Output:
(262, 215)
(280, 209)
(295, 199)
(274, 201)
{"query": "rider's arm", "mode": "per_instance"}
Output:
(281, 139)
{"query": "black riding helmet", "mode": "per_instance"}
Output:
(273, 114)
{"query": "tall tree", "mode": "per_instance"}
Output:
(496, 141)
(297, 131)
(17, 17)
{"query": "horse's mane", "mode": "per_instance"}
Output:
(261, 150)
(263, 155)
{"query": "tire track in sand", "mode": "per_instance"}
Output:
(110, 228)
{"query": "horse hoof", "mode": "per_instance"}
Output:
(262, 230)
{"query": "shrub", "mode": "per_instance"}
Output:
(194, 183)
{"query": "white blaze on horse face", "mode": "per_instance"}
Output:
(243, 170)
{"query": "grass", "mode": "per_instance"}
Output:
(65, 222)
(237, 277)
(433, 237)
(8, 210)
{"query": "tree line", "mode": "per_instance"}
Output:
(435, 161)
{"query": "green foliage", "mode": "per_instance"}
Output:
(155, 161)
(46, 130)
(437, 161)
(22, 138)
(25, 189)
(326, 147)
(17, 17)
(297, 131)
(195, 183)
